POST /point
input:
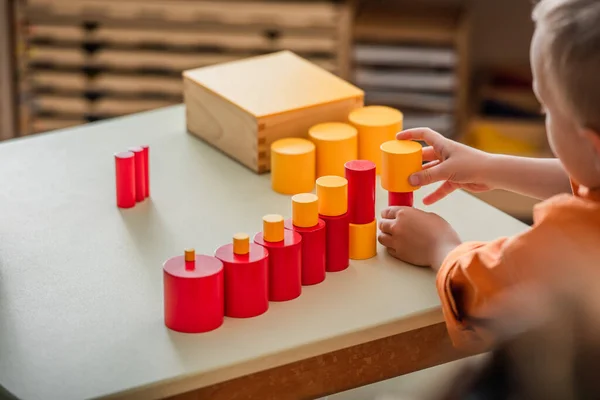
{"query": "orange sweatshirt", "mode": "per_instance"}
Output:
(565, 235)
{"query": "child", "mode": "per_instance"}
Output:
(565, 236)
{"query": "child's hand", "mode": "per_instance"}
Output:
(462, 167)
(417, 237)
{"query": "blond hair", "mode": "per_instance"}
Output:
(573, 39)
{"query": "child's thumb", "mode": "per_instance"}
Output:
(428, 176)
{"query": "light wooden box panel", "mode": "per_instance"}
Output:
(242, 107)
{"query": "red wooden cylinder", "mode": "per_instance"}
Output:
(140, 175)
(193, 294)
(146, 154)
(361, 176)
(125, 179)
(313, 251)
(401, 199)
(337, 231)
(246, 281)
(285, 265)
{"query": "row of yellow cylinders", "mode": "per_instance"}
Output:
(296, 162)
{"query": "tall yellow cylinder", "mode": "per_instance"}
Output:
(332, 192)
(400, 159)
(293, 166)
(305, 210)
(336, 143)
(375, 125)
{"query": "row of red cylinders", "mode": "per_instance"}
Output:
(242, 285)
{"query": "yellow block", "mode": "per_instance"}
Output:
(363, 240)
(305, 210)
(400, 159)
(190, 255)
(336, 144)
(241, 243)
(273, 229)
(376, 125)
(333, 195)
(292, 166)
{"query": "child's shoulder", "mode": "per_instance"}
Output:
(567, 210)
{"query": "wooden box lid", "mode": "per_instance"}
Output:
(273, 84)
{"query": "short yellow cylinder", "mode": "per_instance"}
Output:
(241, 244)
(375, 125)
(273, 228)
(363, 240)
(399, 160)
(336, 143)
(293, 166)
(305, 210)
(190, 255)
(332, 192)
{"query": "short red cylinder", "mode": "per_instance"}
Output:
(125, 179)
(401, 199)
(146, 154)
(246, 281)
(140, 175)
(285, 265)
(361, 176)
(313, 251)
(193, 294)
(337, 232)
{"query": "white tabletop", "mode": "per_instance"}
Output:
(81, 299)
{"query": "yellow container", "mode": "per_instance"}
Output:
(363, 240)
(336, 144)
(376, 125)
(273, 228)
(332, 192)
(293, 166)
(305, 210)
(400, 159)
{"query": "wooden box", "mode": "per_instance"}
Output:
(241, 107)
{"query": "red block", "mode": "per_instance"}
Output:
(246, 281)
(140, 174)
(285, 265)
(362, 180)
(125, 179)
(313, 251)
(338, 242)
(193, 294)
(146, 154)
(401, 199)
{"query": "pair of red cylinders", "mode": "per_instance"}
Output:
(132, 176)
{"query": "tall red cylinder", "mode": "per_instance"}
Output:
(361, 176)
(146, 156)
(246, 280)
(405, 199)
(140, 174)
(285, 265)
(125, 179)
(337, 231)
(313, 251)
(193, 294)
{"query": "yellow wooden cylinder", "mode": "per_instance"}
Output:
(336, 143)
(332, 192)
(375, 125)
(190, 255)
(305, 210)
(273, 228)
(241, 243)
(363, 240)
(400, 159)
(293, 166)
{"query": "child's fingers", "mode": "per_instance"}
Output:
(431, 164)
(390, 212)
(386, 225)
(427, 135)
(429, 154)
(429, 175)
(385, 239)
(444, 190)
